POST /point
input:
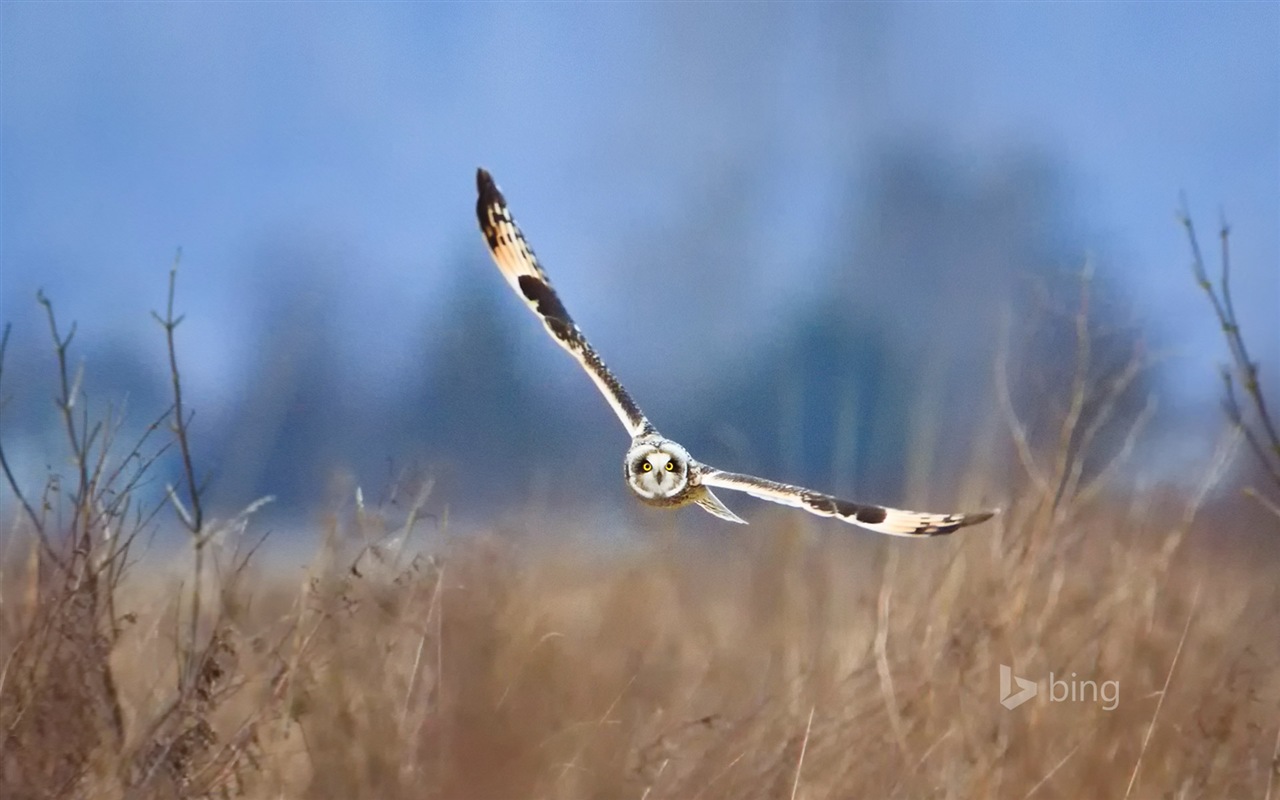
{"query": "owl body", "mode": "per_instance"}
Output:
(660, 472)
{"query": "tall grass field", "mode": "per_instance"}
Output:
(1097, 639)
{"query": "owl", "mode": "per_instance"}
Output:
(658, 470)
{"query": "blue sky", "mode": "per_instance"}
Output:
(129, 129)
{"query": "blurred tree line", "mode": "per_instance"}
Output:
(878, 385)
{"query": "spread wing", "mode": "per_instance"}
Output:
(520, 267)
(893, 521)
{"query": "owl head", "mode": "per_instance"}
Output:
(657, 469)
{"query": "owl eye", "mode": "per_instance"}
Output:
(671, 466)
(646, 467)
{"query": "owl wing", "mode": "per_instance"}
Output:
(893, 521)
(518, 264)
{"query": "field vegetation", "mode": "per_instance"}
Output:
(795, 658)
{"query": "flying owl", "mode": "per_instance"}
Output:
(658, 470)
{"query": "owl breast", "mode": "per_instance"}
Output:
(682, 498)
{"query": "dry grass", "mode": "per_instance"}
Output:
(793, 660)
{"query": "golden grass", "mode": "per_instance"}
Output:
(791, 659)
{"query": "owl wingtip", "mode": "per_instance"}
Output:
(488, 195)
(980, 516)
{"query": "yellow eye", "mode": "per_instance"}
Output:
(671, 466)
(647, 467)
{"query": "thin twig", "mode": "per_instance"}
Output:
(1021, 440)
(795, 785)
(12, 481)
(720, 775)
(422, 643)
(1103, 412)
(69, 391)
(1223, 454)
(1068, 443)
(181, 422)
(1264, 437)
(1103, 477)
(882, 654)
(1264, 502)
(1164, 691)
(1055, 769)
(1275, 765)
(190, 512)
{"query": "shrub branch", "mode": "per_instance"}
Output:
(1260, 434)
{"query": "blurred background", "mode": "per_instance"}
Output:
(799, 234)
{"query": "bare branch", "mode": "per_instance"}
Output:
(1260, 434)
(37, 523)
(1021, 440)
(194, 520)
